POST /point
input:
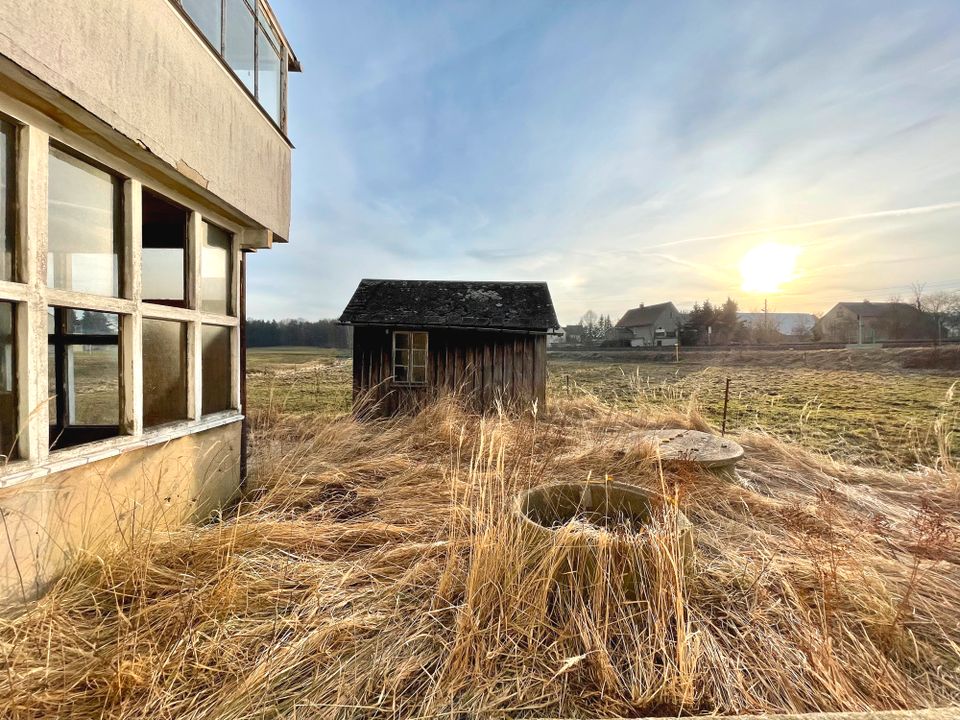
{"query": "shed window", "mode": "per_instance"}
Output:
(83, 375)
(164, 268)
(410, 357)
(85, 236)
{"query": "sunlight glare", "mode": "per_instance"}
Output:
(765, 268)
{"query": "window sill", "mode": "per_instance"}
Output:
(20, 471)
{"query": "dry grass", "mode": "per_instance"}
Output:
(375, 571)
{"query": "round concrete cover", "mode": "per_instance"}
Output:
(708, 451)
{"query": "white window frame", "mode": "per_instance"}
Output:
(31, 297)
(410, 365)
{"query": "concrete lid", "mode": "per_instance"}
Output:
(700, 448)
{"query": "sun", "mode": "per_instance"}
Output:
(766, 267)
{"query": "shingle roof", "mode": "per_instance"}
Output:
(440, 303)
(876, 309)
(642, 316)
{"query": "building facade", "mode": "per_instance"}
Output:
(414, 340)
(650, 325)
(873, 322)
(143, 154)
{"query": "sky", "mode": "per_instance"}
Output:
(624, 152)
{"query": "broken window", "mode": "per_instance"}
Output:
(83, 376)
(164, 371)
(216, 271)
(164, 267)
(84, 234)
(8, 198)
(217, 371)
(8, 394)
(410, 357)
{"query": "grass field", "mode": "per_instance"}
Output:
(875, 417)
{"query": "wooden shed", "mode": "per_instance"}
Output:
(416, 339)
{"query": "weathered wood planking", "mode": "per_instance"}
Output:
(483, 366)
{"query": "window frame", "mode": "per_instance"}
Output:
(31, 297)
(410, 365)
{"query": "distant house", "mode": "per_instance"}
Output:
(650, 325)
(778, 327)
(871, 322)
(415, 339)
(572, 334)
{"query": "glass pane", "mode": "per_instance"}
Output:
(420, 341)
(164, 249)
(238, 41)
(83, 215)
(164, 371)
(400, 373)
(418, 374)
(51, 384)
(88, 322)
(8, 393)
(215, 272)
(206, 15)
(400, 357)
(216, 369)
(93, 387)
(268, 76)
(419, 358)
(402, 340)
(8, 198)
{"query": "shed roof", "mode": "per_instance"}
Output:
(443, 303)
(643, 315)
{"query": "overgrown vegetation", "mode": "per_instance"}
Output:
(873, 416)
(376, 570)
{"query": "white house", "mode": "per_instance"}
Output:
(650, 325)
(143, 153)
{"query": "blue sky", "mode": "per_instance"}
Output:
(625, 152)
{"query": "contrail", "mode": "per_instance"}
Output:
(901, 212)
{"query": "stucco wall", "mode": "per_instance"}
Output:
(139, 67)
(44, 522)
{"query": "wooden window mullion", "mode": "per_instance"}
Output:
(31, 325)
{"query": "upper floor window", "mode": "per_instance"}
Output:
(242, 33)
(85, 234)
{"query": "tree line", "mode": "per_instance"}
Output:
(317, 333)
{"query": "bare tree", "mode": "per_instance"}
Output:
(940, 304)
(916, 290)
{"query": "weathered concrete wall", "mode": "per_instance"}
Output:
(44, 522)
(139, 67)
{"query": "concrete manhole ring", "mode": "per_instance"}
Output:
(700, 448)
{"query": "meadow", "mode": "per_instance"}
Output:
(878, 416)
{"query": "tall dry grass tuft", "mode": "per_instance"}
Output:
(374, 569)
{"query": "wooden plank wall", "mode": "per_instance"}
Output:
(486, 368)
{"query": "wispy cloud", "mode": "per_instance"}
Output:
(622, 151)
